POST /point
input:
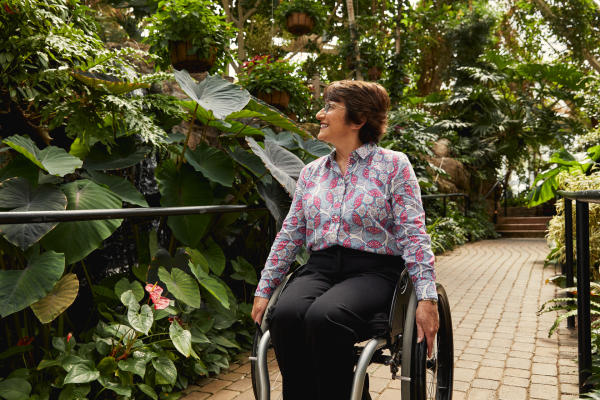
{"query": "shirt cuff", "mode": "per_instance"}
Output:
(425, 290)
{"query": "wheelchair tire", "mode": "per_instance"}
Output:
(430, 378)
(253, 362)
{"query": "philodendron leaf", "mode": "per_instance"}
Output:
(181, 285)
(17, 194)
(214, 93)
(166, 373)
(184, 187)
(15, 389)
(142, 321)
(58, 300)
(82, 373)
(121, 187)
(134, 365)
(181, 338)
(21, 288)
(74, 392)
(124, 285)
(284, 165)
(209, 283)
(128, 299)
(52, 159)
(209, 256)
(244, 271)
(212, 163)
(78, 239)
(148, 391)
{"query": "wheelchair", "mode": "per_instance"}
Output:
(420, 377)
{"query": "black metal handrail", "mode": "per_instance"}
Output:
(584, 329)
(21, 217)
(445, 196)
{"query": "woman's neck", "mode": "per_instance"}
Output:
(342, 155)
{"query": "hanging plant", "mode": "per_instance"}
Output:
(275, 82)
(190, 35)
(302, 16)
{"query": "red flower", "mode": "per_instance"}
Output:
(25, 341)
(160, 302)
(69, 336)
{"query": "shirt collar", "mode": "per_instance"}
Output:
(363, 151)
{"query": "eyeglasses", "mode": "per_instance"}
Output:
(331, 106)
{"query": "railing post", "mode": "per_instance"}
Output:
(583, 295)
(568, 266)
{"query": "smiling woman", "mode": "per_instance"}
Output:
(358, 210)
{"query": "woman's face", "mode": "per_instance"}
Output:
(334, 128)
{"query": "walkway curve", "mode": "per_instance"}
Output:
(501, 346)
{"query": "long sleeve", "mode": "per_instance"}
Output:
(287, 243)
(409, 230)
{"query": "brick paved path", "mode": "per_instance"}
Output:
(502, 349)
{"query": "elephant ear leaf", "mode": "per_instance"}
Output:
(52, 159)
(78, 239)
(21, 288)
(58, 300)
(284, 165)
(17, 194)
(214, 94)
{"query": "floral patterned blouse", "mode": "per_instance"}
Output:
(374, 207)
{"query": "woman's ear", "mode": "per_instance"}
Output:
(359, 125)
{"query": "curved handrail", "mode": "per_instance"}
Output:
(586, 196)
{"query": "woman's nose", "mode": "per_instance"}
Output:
(321, 114)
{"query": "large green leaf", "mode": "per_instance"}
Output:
(244, 271)
(274, 116)
(58, 300)
(209, 256)
(276, 199)
(134, 365)
(214, 93)
(212, 285)
(74, 392)
(283, 164)
(248, 160)
(181, 285)
(17, 194)
(20, 166)
(110, 83)
(125, 153)
(124, 285)
(121, 187)
(142, 321)
(78, 239)
(181, 338)
(15, 389)
(21, 288)
(166, 373)
(52, 159)
(122, 389)
(147, 390)
(82, 373)
(212, 163)
(184, 188)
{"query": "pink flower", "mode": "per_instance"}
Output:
(155, 291)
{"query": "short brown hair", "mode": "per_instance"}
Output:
(364, 101)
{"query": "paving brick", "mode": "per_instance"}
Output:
(485, 384)
(540, 391)
(215, 386)
(543, 369)
(490, 373)
(515, 381)
(223, 395)
(511, 392)
(481, 394)
(390, 394)
(464, 374)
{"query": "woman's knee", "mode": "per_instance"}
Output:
(322, 318)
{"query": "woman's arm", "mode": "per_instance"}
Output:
(288, 242)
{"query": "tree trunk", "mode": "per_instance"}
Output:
(353, 38)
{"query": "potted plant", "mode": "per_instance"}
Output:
(190, 35)
(274, 81)
(302, 16)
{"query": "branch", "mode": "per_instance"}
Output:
(227, 9)
(252, 10)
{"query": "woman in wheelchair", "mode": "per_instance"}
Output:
(359, 212)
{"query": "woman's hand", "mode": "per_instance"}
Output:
(259, 307)
(427, 323)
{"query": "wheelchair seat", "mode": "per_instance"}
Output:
(421, 377)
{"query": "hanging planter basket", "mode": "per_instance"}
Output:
(183, 57)
(300, 23)
(276, 98)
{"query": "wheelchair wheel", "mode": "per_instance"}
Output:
(429, 378)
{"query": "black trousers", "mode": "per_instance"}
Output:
(340, 297)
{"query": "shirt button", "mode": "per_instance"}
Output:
(335, 218)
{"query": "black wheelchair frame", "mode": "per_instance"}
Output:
(421, 377)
